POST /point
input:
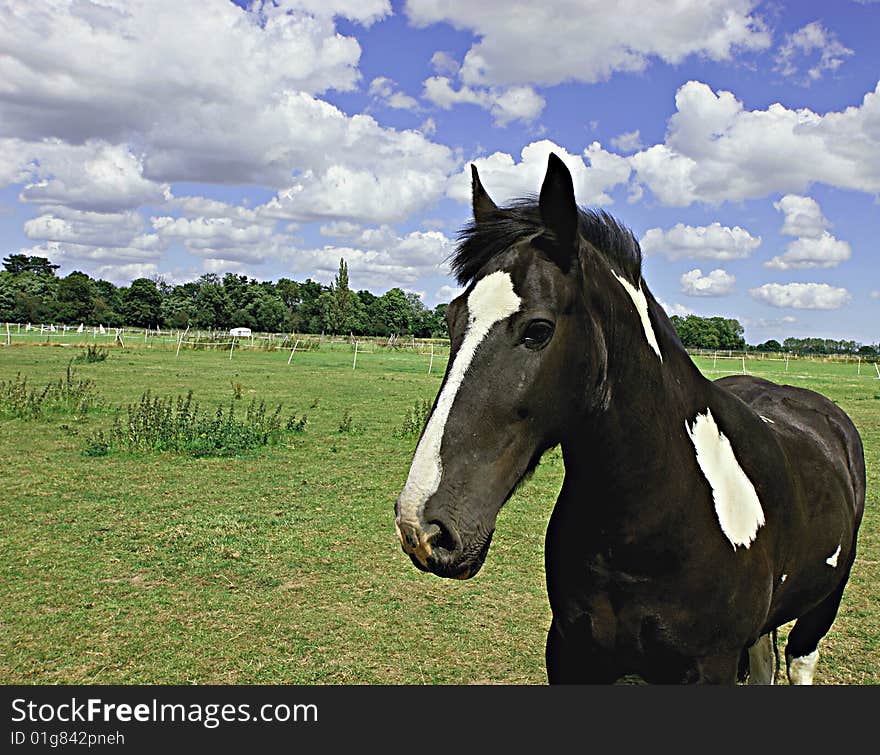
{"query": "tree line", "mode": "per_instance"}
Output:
(31, 291)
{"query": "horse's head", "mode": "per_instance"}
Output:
(526, 358)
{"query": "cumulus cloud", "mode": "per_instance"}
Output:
(226, 96)
(824, 251)
(715, 150)
(713, 241)
(91, 176)
(803, 217)
(506, 179)
(377, 257)
(522, 42)
(385, 90)
(628, 141)
(220, 238)
(515, 103)
(446, 294)
(801, 295)
(814, 247)
(716, 283)
(806, 42)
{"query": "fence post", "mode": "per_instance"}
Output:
(292, 351)
(431, 363)
(354, 364)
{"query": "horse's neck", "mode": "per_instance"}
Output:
(632, 442)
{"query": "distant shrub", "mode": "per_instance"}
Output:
(92, 354)
(180, 426)
(414, 420)
(67, 395)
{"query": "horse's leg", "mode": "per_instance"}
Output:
(802, 648)
(577, 663)
(761, 661)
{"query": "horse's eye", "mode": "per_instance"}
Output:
(537, 334)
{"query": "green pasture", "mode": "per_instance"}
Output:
(281, 566)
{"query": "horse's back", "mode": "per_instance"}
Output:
(815, 433)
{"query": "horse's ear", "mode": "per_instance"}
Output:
(483, 204)
(559, 211)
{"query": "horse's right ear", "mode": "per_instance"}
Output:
(482, 202)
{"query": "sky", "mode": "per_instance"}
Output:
(738, 140)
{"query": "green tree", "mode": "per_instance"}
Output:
(76, 298)
(22, 263)
(142, 303)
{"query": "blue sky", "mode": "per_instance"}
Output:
(739, 140)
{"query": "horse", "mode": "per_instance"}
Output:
(695, 516)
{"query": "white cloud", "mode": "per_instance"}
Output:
(809, 39)
(506, 179)
(516, 103)
(628, 141)
(91, 176)
(377, 258)
(522, 42)
(675, 309)
(365, 12)
(801, 295)
(446, 294)
(825, 251)
(385, 90)
(444, 64)
(220, 237)
(814, 247)
(716, 151)
(803, 217)
(874, 294)
(207, 92)
(713, 241)
(716, 283)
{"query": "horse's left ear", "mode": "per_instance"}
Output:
(482, 202)
(559, 211)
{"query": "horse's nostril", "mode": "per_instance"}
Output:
(441, 536)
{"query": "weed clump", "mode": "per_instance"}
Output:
(67, 395)
(180, 426)
(414, 420)
(91, 355)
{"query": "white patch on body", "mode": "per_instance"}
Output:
(736, 500)
(832, 559)
(761, 661)
(783, 578)
(491, 300)
(766, 419)
(638, 297)
(801, 670)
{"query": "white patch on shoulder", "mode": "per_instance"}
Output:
(783, 578)
(491, 300)
(832, 559)
(736, 500)
(638, 297)
(801, 670)
(766, 419)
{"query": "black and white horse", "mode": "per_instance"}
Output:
(695, 516)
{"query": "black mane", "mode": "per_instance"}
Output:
(480, 242)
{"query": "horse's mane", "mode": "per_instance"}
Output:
(480, 242)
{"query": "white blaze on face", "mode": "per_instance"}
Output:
(638, 297)
(491, 300)
(736, 501)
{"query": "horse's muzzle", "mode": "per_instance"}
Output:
(433, 547)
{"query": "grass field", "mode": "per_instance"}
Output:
(281, 566)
